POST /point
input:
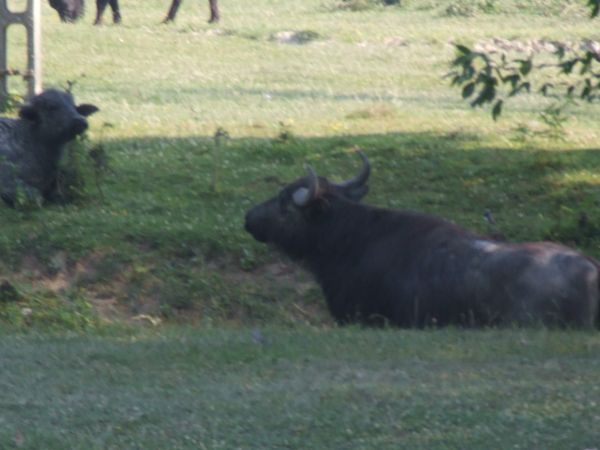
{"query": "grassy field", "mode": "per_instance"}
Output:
(164, 242)
(300, 389)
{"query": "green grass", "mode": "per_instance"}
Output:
(162, 240)
(263, 367)
(301, 388)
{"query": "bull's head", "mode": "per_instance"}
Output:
(55, 117)
(285, 220)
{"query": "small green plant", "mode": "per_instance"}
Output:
(580, 229)
(46, 310)
(285, 133)
(468, 8)
(70, 181)
(81, 163)
(362, 5)
(100, 161)
(27, 198)
(11, 103)
(221, 137)
(554, 118)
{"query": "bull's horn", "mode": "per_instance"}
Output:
(303, 196)
(362, 177)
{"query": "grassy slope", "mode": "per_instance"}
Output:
(336, 388)
(161, 240)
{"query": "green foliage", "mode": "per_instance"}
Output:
(595, 7)
(554, 117)
(362, 5)
(494, 76)
(81, 171)
(46, 311)
(479, 8)
(221, 138)
(577, 229)
(469, 8)
(12, 103)
(492, 79)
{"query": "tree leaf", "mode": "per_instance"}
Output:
(567, 66)
(463, 49)
(544, 89)
(468, 89)
(526, 65)
(512, 79)
(595, 5)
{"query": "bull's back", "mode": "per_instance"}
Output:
(467, 280)
(542, 282)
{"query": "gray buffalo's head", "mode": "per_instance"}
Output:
(55, 117)
(284, 220)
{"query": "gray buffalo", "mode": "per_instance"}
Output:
(31, 146)
(413, 269)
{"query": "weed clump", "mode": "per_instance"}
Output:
(81, 164)
(580, 231)
(45, 311)
(469, 8)
(295, 37)
(362, 5)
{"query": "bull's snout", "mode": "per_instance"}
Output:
(248, 222)
(252, 226)
(79, 125)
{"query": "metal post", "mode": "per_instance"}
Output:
(31, 20)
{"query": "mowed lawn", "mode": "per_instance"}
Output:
(243, 353)
(302, 389)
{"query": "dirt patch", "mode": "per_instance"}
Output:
(61, 275)
(295, 37)
(152, 289)
(535, 46)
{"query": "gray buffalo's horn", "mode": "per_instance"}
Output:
(303, 196)
(362, 177)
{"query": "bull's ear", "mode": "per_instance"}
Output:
(301, 197)
(28, 112)
(87, 109)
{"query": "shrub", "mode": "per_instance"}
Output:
(361, 5)
(46, 311)
(82, 164)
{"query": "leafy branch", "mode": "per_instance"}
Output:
(488, 77)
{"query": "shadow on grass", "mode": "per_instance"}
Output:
(167, 238)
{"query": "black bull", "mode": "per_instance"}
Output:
(72, 10)
(414, 269)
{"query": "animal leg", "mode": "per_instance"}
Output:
(114, 4)
(100, 7)
(172, 11)
(214, 11)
